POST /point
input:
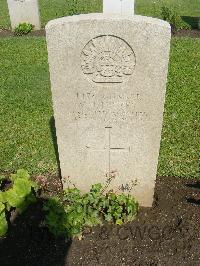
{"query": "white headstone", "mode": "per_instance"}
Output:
(123, 7)
(108, 85)
(24, 11)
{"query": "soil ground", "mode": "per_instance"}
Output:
(195, 33)
(166, 234)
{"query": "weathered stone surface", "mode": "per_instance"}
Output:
(124, 7)
(24, 11)
(108, 78)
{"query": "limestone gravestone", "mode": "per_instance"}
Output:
(118, 7)
(108, 78)
(24, 11)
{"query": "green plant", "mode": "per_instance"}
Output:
(74, 211)
(3, 221)
(23, 28)
(171, 15)
(17, 197)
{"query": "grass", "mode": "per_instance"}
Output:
(184, 7)
(63, 8)
(59, 8)
(26, 109)
(179, 155)
(4, 15)
(25, 136)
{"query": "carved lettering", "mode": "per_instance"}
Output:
(125, 107)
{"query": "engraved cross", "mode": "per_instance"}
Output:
(110, 149)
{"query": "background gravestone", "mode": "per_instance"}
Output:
(24, 11)
(108, 85)
(118, 7)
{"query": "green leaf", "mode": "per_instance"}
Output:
(13, 199)
(91, 199)
(122, 199)
(79, 209)
(92, 220)
(108, 217)
(3, 224)
(2, 207)
(2, 197)
(119, 209)
(104, 203)
(130, 209)
(96, 188)
(130, 217)
(85, 201)
(119, 221)
(21, 173)
(117, 215)
(75, 231)
(22, 187)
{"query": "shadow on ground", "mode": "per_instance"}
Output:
(54, 139)
(29, 243)
(194, 22)
(193, 200)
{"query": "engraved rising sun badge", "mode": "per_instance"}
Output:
(107, 59)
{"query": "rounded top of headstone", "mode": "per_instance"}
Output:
(108, 17)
